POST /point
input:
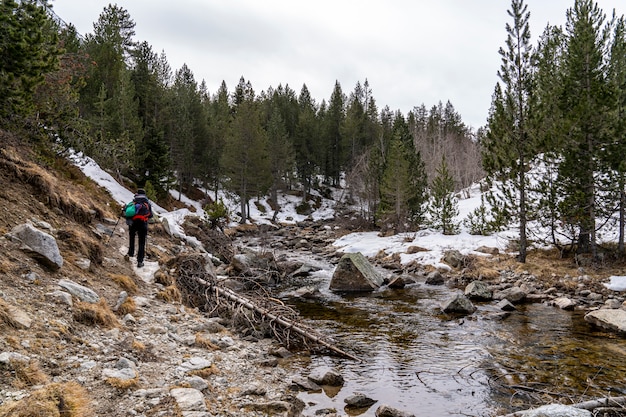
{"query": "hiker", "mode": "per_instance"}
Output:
(138, 225)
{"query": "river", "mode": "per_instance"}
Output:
(421, 361)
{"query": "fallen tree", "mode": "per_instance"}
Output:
(203, 290)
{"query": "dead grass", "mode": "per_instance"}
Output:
(128, 307)
(170, 294)
(123, 384)
(125, 282)
(205, 343)
(205, 372)
(95, 314)
(78, 242)
(54, 400)
(27, 374)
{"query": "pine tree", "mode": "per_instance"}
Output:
(305, 141)
(403, 182)
(332, 137)
(245, 158)
(584, 104)
(153, 154)
(443, 207)
(509, 146)
(29, 50)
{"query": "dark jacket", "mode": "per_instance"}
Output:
(144, 213)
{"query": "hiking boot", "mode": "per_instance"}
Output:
(139, 264)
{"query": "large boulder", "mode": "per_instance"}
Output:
(610, 319)
(42, 246)
(354, 273)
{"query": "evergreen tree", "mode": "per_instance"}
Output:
(509, 146)
(585, 107)
(443, 207)
(245, 157)
(331, 143)
(403, 183)
(305, 141)
(153, 149)
(547, 124)
(617, 148)
(281, 153)
(29, 50)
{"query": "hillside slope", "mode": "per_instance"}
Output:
(150, 356)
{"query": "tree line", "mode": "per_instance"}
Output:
(120, 102)
(559, 105)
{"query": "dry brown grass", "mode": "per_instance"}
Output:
(123, 384)
(170, 294)
(80, 243)
(205, 343)
(60, 399)
(95, 314)
(27, 374)
(164, 279)
(125, 282)
(205, 372)
(138, 346)
(5, 317)
(128, 307)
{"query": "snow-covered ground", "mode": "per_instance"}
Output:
(368, 243)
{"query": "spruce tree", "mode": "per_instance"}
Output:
(509, 146)
(29, 50)
(585, 106)
(443, 207)
(617, 148)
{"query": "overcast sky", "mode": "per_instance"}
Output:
(412, 52)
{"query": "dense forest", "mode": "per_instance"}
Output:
(551, 153)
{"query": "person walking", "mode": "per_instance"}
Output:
(138, 225)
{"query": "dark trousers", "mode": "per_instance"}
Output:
(139, 228)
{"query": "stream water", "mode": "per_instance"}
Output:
(421, 361)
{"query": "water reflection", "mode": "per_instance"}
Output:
(421, 361)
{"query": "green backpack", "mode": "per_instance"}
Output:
(130, 210)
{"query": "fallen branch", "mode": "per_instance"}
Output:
(203, 288)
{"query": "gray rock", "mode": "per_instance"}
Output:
(189, 399)
(387, 411)
(564, 303)
(326, 376)
(478, 290)
(454, 258)
(125, 374)
(555, 410)
(61, 297)
(513, 294)
(194, 364)
(42, 246)
(16, 317)
(358, 400)
(198, 383)
(610, 319)
(434, 278)
(458, 303)
(82, 293)
(354, 273)
(505, 305)
(306, 384)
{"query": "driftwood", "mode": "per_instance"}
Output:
(204, 290)
(615, 402)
